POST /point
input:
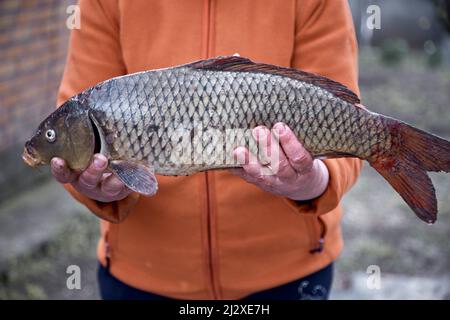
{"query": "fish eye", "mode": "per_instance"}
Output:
(50, 135)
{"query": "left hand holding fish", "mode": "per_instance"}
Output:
(294, 173)
(93, 182)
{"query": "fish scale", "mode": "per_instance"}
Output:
(192, 103)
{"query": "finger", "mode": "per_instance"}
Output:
(278, 161)
(251, 163)
(262, 137)
(240, 155)
(299, 158)
(60, 171)
(284, 170)
(91, 176)
(270, 148)
(254, 168)
(111, 186)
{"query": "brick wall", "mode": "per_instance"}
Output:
(33, 43)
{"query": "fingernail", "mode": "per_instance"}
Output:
(259, 132)
(238, 151)
(281, 129)
(98, 162)
(239, 155)
(56, 163)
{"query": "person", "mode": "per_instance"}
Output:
(223, 234)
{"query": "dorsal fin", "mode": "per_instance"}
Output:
(240, 64)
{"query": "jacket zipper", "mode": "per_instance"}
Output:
(209, 216)
(319, 237)
(107, 250)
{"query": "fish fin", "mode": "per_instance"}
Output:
(431, 152)
(415, 153)
(241, 64)
(414, 186)
(136, 176)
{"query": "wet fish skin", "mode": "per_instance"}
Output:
(141, 112)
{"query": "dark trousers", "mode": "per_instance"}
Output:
(313, 287)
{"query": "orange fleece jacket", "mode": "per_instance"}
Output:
(212, 235)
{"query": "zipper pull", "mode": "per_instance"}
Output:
(319, 247)
(107, 250)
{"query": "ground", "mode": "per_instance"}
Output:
(43, 231)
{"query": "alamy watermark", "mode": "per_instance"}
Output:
(73, 20)
(73, 281)
(373, 20)
(373, 281)
(214, 147)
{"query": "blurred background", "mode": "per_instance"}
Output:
(404, 72)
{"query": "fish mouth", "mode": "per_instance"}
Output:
(30, 157)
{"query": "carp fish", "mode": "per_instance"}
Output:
(175, 121)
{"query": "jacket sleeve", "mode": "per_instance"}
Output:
(325, 44)
(95, 55)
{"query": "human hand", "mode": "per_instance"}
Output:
(294, 174)
(93, 182)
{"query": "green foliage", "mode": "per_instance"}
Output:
(393, 51)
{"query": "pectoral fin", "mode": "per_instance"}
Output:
(136, 176)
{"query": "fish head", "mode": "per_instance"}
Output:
(67, 133)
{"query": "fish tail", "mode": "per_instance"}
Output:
(413, 154)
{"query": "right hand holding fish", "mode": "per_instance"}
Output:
(93, 182)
